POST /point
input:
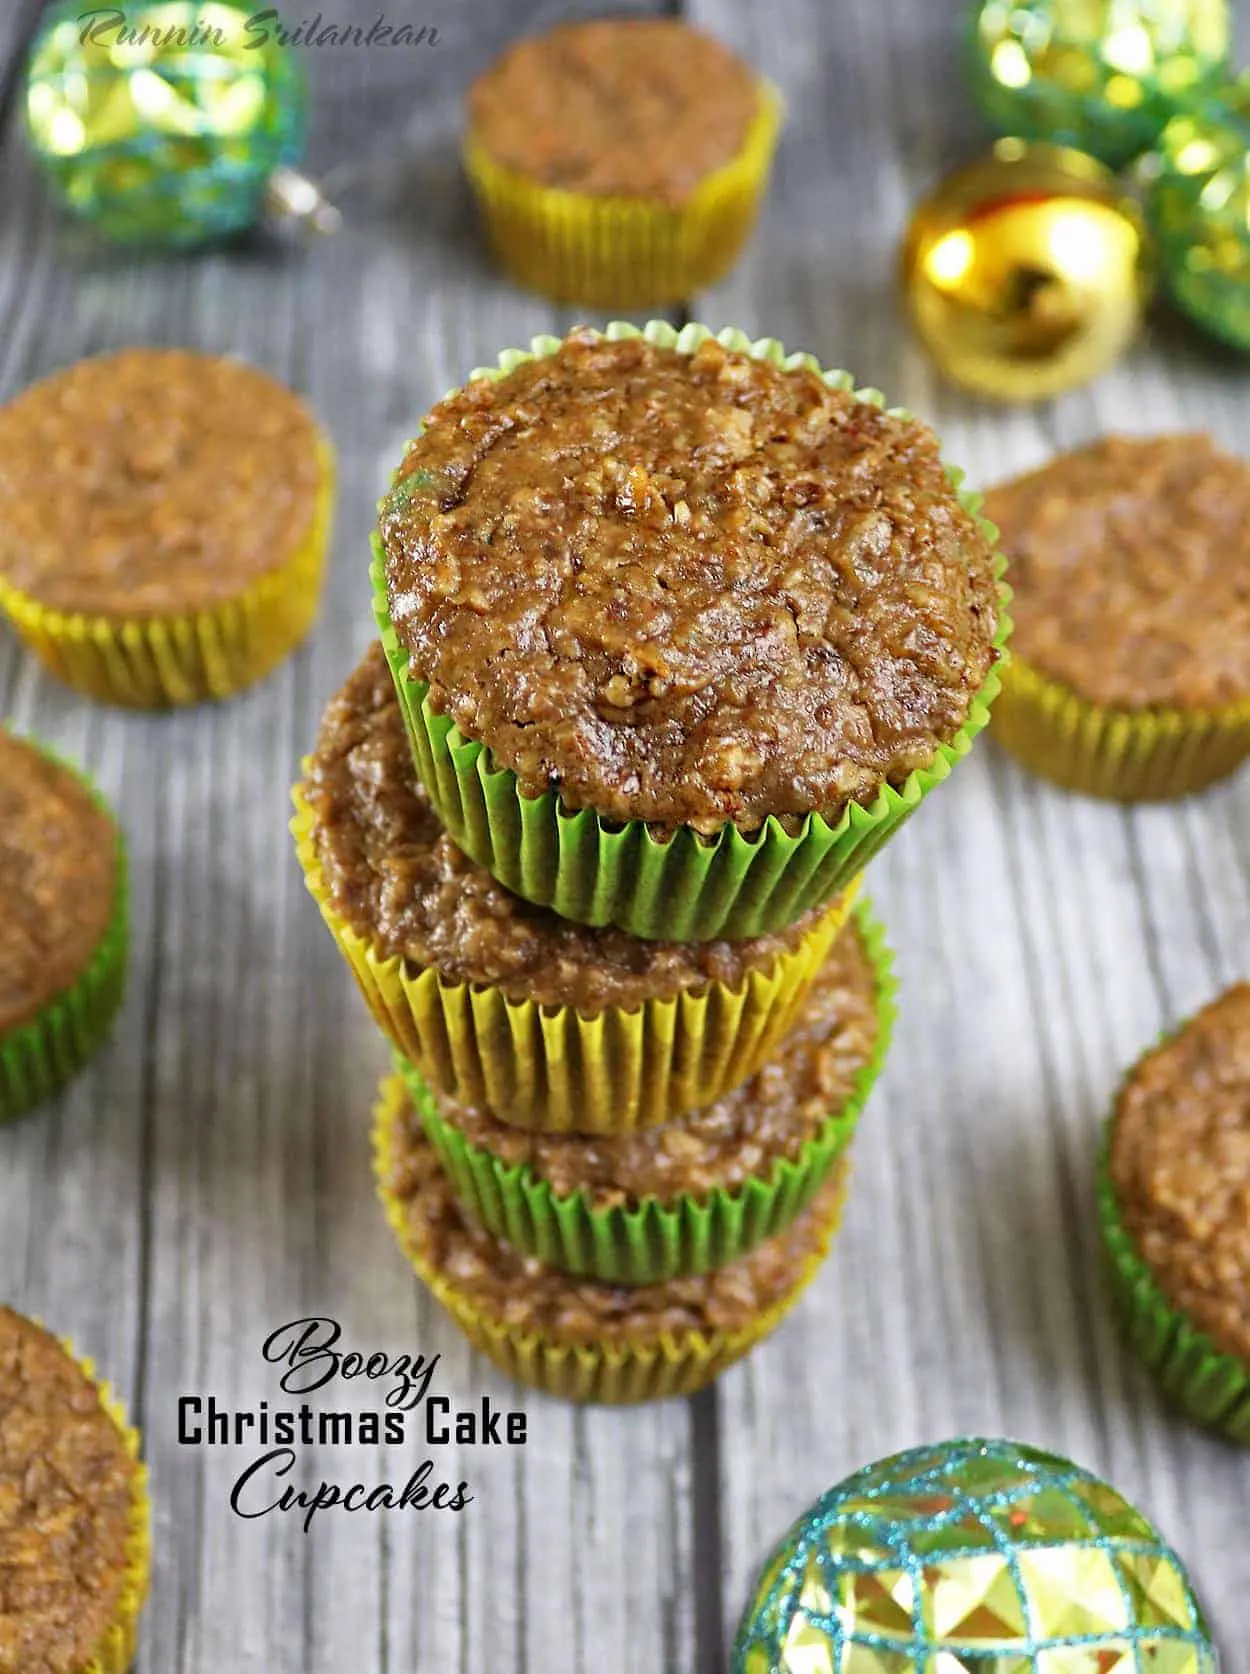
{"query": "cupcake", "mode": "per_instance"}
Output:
(1175, 1203)
(619, 162)
(163, 522)
(683, 629)
(501, 1005)
(73, 1513)
(1130, 674)
(578, 1338)
(667, 1202)
(62, 923)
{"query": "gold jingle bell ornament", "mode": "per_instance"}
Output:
(1024, 273)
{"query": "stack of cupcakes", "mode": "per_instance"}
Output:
(675, 632)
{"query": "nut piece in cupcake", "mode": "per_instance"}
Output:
(619, 161)
(163, 519)
(1177, 1209)
(1131, 653)
(474, 982)
(73, 1513)
(576, 1337)
(62, 923)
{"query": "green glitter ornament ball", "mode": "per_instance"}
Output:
(1198, 209)
(162, 123)
(1101, 75)
(973, 1557)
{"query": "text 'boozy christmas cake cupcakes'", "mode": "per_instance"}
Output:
(74, 1518)
(683, 628)
(62, 923)
(671, 1201)
(619, 162)
(502, 1005)
(578, 1338)
(1130, 671)
(163, 524)
(1175, 1203)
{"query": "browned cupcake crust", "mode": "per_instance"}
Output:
(525, 1295)
(1180, 1167)
(152, 482)
(616, 107)
(770, 1117)
(398, 879)
(67, 1488)
(687, 588)
(1130, 565)
(58, 880)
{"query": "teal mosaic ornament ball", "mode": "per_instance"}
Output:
(162, 123)
(1101, 75)
(1198, 211)
(973, 1557)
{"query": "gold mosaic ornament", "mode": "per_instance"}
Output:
(1198, 207)
(171, 123)
(1102, 75)
(973, 1557)
(1024, 273)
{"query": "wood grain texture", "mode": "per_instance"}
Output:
(209, 1177)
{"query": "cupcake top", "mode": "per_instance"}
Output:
(529, 1296)
(616, 107)
(772, 1116)
(398, 880)
(67, 1496)
(58, 880)
(687, 588)
(1180, 1167)
(151, 482)
(1130, 566)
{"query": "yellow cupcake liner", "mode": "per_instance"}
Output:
(163, 661)
(1127, 755)
(613, 1374)
(549, 1068)
(617, 252)
(116, 1650)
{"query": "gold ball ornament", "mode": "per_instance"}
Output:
(1024, 273)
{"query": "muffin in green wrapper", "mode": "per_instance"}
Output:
(683, 628)
(673, 1201)
(1174, 1206)
(62, 923)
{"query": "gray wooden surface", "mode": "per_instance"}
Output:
(210, 1178)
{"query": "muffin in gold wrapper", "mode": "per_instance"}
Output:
(79, 1518)
(549, 1025)
(575, 1338)
(619, 163)
(164, 517)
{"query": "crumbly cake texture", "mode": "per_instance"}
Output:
(1128, 567)
(153, 482)
(1180, 1168)
(688, 588)
(616, 107)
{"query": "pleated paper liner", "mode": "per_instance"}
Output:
(682, 887)
(614, 1374)
(614, 252)
(551, 1069)
(189, 657)
(652, 1241)
(1129, 755)
(1208, 1386)
(40, 1056)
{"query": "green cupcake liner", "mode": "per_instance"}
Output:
(682, 887)
(1207, 1385)
(40, 1056)
(654, 1240)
